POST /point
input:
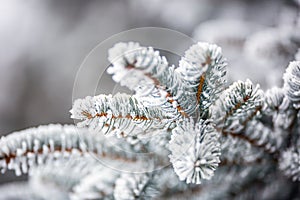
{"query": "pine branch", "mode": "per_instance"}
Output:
(122, 114)
(59, 178)
(260, 136)
(238, 105)
(35, 146)
(236, 112)
(169, 184)
(235, 163)
(144, 71)
(203, 69)
(255, 131)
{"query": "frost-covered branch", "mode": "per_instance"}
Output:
(203, 70)
(144, 71)
(178, 120)
(238, 104)
(196, 82)
(122, 114)
(36, 146)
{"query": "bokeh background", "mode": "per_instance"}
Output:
(43, 44)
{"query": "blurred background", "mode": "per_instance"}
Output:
(43, 44)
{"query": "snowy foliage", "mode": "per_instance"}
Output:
(179, 129)
(144, 71)
(195, 151)
(200, 75)
(36, 146)
(203, 69)
(21, 150)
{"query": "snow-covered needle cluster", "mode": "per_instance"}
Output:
(201, 133)
(195, 151)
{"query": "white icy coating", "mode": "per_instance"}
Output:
(80, 178)
(174, 89)
(275, 99)
(195, 151)
(236, 112)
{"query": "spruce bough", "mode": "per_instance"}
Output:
(186, 121)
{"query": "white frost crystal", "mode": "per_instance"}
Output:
(195, 151)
